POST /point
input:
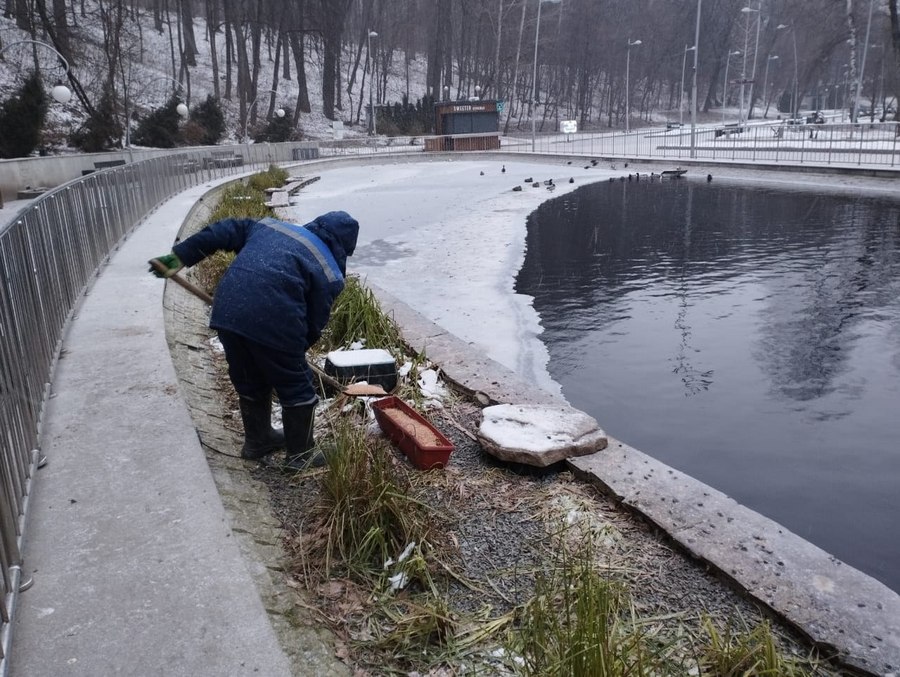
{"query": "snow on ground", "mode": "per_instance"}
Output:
(449, 242)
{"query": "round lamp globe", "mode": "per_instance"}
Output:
(61, 94)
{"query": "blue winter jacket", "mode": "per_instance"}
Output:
(280, 287)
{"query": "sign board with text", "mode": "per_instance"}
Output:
(568, 126)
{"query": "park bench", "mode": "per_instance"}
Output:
(222, 158)
(188, 166)
(728, 130)
(106, 164)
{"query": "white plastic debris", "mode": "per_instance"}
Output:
(398, 581)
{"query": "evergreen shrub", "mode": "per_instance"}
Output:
(21, 119)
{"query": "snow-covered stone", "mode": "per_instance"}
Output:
(538, 435)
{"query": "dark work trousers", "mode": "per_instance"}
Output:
(255, 370)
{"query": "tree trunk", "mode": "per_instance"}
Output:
(895, 43)
(212, 20)
(332, 16)
(852, 42)
(189, 49)
(515, 79)
(296, 39)
(62, 28)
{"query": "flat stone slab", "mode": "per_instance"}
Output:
(538, 435)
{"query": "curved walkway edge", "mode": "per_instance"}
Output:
(842, 610)
(136, 570)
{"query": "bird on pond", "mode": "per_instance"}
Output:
(626, 165)
(587, 166)
(528, 180)
(503, 169)
(569, 162)
(548, 182)
(551, 187)
(571, 180)
(613, 167)
(481, 173)
(709, 177)
(629, 177)
(517, 188)
(535, 185)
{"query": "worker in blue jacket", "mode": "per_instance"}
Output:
(271, 305)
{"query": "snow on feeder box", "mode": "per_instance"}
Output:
(373, 365)
(423, 444)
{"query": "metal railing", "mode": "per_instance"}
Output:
(862, 144)
(48, 255)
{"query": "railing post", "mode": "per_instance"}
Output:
(859, 156)
(896, 128)
(830, 143)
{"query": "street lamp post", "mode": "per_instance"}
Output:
(369, 36)
(627, 90)
(534, 93)
(746, 11)
(736, 52)
(278, 111)
(681, 94)
(774, 57)
(755, 58)
(862, 68)
(794, 101)
(60, 93)
(694, 83)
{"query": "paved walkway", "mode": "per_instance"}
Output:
(136, 571)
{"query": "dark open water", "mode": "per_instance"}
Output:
(749, 337)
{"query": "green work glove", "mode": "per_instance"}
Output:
(171, 263)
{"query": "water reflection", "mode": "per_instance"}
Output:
(750, 337)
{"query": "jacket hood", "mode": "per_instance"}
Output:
(338, 230)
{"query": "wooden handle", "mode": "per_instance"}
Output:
(175, 277)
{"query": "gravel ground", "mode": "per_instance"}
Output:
(497, 521)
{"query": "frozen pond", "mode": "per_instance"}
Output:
(749, 337)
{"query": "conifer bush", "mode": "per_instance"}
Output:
(21, 119)
(209, 118)
(160, 128)
(100, 131)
